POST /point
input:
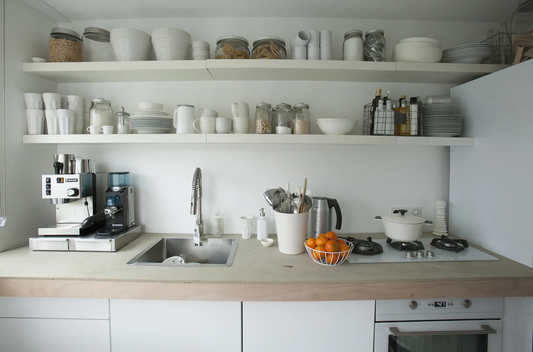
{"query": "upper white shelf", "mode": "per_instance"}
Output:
(289, 70)
(315, 139)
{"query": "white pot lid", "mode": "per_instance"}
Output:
(403, 219)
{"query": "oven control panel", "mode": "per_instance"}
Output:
(440, 304)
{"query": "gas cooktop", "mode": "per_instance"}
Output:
(425, 253)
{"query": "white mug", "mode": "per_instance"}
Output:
(93, 129)
(207, 124)
(106, 129)
(184, 118)
(223, 125)
(67, 121)
(52, 123)
(241, 125)
(35, 118)
(34, 101)
(207, 112)
(240, 109)
(52, 101)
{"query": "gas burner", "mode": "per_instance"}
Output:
(449, 244)
(365, 247)
(406, 246)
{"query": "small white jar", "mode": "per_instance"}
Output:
(353, 48)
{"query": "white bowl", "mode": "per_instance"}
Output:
(421, 54)
(336, 126)
(171, 49)
(421, 40)
(150, 106)
(410, 46)
(267, 242)
(130, 44)
(171, 33)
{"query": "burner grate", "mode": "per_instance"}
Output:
(449, 244)
(406, 246)
(365, 247)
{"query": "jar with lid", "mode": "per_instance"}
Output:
(302, 119)
(374, 48)
(282, 119)
(97, 45)
(123, 124)
(100, 113)
(232, 47)
(353, 46)
(64, 45)
(263, 119)
(269, 48)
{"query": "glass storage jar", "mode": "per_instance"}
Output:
(97, 45)
(282, 119)
(263, 119)
(353, 46)
(64, 45)
(374, 49)
(269, 48)
(302, 119)
(100, 113)
(232, 47)
(123, 124)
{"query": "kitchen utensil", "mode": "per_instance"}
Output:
(63, 163)
(292, 231)
(336, 126)
(401, 227)
(302, 207)
(183, 118)
(322, 215)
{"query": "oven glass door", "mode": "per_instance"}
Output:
(441, 336)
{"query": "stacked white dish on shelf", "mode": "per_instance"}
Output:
(417, 49)
(475, 53)
(441, 120)
(150, 119)
(439, 226)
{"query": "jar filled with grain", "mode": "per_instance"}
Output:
(302, 119)
(97, 45)
(232, 47)
(269, 48)
(64, 45)
(263, 124)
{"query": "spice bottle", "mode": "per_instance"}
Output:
(353, 46)
(302, 119)
(262, 231)
(263, 119)
(374, 48)
(64, 45)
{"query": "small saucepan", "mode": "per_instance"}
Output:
(403, 228)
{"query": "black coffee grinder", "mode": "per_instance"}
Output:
(119, 204)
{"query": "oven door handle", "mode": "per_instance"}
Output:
(486, 329)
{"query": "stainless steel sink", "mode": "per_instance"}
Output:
(171, 251)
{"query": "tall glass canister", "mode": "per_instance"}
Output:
(263, 119)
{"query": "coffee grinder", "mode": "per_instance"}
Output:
(119, 204)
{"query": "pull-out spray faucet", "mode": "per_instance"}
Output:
(196, 206)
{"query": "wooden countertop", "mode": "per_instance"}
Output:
(257, 274)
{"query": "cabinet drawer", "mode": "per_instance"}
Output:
(62, 308)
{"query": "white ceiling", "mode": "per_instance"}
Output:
(434, 10)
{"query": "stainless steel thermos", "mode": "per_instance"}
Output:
(321, 216)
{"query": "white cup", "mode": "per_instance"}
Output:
(326, 53)
(93, 129)
(106, 129)
(240, 109)
(52, 123)
(246, 227)
(207, 124)
(75, 101)
(314, 39)
(123, 129)
(283, 130)
(67, 121)
(300, 52)
(35, 118)
(64, 102)
(184, 118)
(292, 232)
(207, 112)
(241, 125)
(34, 101)
(326, 38)
(223, 125)
(52, 101)
(302, 38)
(313, 53)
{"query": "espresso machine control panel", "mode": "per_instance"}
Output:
(67, 186)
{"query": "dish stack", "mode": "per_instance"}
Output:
(150, 119)
(475, 53)
(441, 120)
(417, 49)
(439, 227)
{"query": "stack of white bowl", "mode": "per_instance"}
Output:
(130, 44)
(150, 118)
(200, 50)
(475, 53)
(439, 227)
(417, 49)
(171, 44)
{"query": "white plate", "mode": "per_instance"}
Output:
(151, 112)
(150, 130)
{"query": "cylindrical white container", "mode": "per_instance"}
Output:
(292, 232)
(300, 53)
(313, 53)
(326, 53)
(314, 39)
(326, 38)
(353, 49)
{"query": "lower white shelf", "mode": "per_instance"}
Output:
(247, 139)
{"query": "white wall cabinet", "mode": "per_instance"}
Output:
(175, 326)
(308, 326)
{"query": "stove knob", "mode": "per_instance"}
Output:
(430, 254)
(413, 304)
(420, 254)
(467, 303)
(410, 255)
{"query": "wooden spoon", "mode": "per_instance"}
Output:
(302, 206)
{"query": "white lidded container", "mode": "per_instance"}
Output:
(97, 45)
(403, 228)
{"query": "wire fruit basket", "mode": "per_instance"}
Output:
(329, 258)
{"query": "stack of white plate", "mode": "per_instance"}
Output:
(475, 53)
(439, 226)
(441, 120)
(149, 120)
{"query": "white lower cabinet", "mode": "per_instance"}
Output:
(54, 324)
(308, 326)
(139, 325)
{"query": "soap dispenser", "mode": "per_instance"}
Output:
(262, 225)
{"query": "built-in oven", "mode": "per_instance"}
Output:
(439, 325)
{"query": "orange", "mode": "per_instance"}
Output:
(332, 246)
(311, 242)
(331, 235)
(344, 247)
(332, 258)
(341, 241)
(318, 255)
(321, 240)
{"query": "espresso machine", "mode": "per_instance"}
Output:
(119, 204)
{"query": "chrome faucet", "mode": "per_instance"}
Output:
(196, 206)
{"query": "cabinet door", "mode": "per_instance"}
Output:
(308, 326)
(175, 326)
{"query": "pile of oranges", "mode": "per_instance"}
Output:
(329, 248)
